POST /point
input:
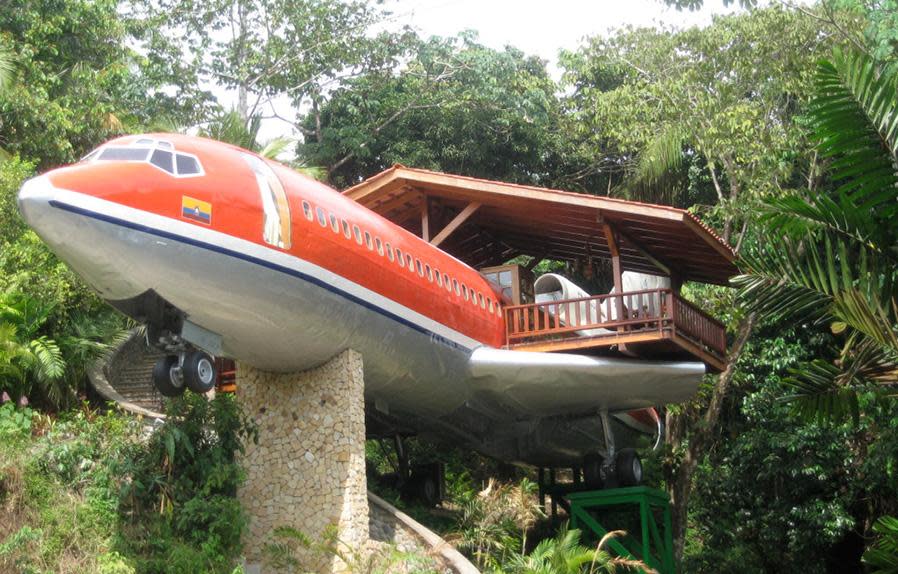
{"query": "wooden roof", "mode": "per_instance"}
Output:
(489, 222)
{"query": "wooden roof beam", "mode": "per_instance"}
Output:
(651, 258)
(456, 222)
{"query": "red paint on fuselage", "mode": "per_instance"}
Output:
(230, 186)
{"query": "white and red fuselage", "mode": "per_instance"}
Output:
(282, 272)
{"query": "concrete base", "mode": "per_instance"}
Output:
(308, 469)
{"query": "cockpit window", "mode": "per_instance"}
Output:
(124, 154)
(159, 153)
(163, 160)
(187, 165)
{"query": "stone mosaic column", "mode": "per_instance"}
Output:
(308, 469)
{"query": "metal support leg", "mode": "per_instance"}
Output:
(552, 483)
(402, 456)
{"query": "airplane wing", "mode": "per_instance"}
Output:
(547, 384)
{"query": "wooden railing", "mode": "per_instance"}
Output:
(610, 315)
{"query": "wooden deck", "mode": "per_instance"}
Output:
(656, 321)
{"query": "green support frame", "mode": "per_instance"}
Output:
(656, 545)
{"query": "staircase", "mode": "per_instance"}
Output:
(127, 377)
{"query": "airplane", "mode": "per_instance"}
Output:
(223, 253)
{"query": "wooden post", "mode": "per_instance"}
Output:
(611, 239)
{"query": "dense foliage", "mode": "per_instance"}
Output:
(777, 125)
(91, 492)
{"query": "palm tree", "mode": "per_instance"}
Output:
(25, 358)
(232, 128)
(882, 557)
(565, 555)
(831, 258)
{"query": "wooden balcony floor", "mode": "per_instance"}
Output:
(652, 345)
(652, 324)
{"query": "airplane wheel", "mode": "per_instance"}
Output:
(592, 470)
(628, 467)
(422, 488)
(165, 377)
(199, 372)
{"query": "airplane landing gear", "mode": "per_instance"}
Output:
(619, 468)
(194, 370)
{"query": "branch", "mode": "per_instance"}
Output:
(380, 127)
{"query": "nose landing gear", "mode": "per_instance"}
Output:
(194, 370)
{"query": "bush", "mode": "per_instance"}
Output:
(178, 497)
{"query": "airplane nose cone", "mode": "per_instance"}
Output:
(34, 201)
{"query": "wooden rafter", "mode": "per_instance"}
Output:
(456, 222)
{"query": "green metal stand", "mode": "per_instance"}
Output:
(656, 545)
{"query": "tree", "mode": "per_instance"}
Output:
(705, 118)
(264, 49)
(72, 84)
(456, 106)
(830, 256)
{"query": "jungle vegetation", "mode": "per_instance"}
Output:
(778, 125)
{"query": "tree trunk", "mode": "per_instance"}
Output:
(699, 436)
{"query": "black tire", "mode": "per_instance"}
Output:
(628, 467)
(199, 371)
(165, 383)
(592, 470)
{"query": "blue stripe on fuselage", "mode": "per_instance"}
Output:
(261, 262)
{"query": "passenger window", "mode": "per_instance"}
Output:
(410, 261)
(489, 304)
(335, 224)
(447, 282)
(420, 268)
(482, 300)
(399, 257)
(368, 241)
(358, 234)
(379, 245)
(307, 209)
(163, 160)
(455, 284)
(389, 252)
(464, 291)
(429, 273)
(436, 273)
(346, 230)
(322, 216)
(187, 165)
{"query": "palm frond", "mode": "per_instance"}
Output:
(275, 147)
(6, 69)
(831, 278)
(48, 361)
(855, 122)
(882, 557)
(821, 392)
(798, 216)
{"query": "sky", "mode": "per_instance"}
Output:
(537, 27)
(542, 27)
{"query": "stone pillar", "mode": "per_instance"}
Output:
(308, 469)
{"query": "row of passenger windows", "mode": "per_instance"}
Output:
(395, 255)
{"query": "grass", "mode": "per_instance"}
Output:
(58, 499)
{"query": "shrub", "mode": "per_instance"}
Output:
(178, 498)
